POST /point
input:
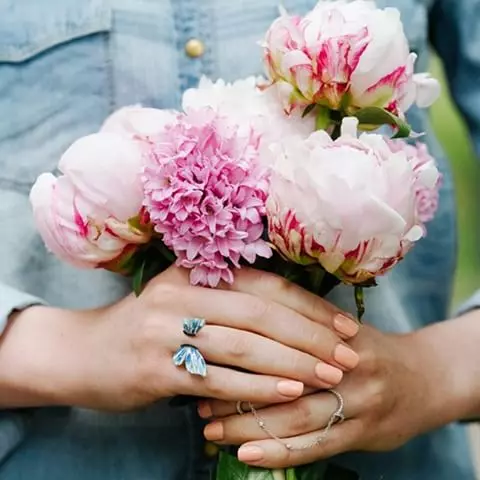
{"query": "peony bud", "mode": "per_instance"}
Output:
(345, 56)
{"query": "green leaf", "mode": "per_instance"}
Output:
(230, 468)
(322, 119)
(138, 277)
(372, 117)
(163, 250)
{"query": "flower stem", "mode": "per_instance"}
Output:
(360, 302)
(279, 474)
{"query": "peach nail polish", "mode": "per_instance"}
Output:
(204, 409)
(345, 356)
(250, 453)
(290, 388)
(345, 326)
(214, 431)
(328, 374)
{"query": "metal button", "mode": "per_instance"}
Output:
(195, 48)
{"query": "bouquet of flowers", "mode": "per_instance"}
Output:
(286, 173)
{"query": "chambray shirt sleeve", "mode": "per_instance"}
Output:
(455, 35)
(13, 424)
(12, 300)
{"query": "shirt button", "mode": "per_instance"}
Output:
(195, 48)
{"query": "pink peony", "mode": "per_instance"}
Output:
(84, 215)
(427, 188)
(205, 192)
(346, 56)
(349, 204)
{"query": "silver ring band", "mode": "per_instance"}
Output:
(240, 409)
(339, 412)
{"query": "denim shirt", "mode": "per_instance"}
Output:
(65, 65)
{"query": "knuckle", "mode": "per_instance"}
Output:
(297, 364)
(368, 359)
(258, 308)
(149, 331)
(322, 342)
(376, 393)
(161, 293)
(236, 346)
(215, 389)
(301, 418)
(320, 311)
(275, 283)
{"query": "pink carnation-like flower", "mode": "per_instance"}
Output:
(427, 189)
(205, 192)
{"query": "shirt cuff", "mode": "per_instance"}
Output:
(472, 304)
(12, 300)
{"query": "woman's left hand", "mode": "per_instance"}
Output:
(399, 390)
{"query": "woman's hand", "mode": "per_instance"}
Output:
(400, 389)
(264, 340)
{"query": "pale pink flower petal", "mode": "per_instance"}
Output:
(428, 89)
(351, 205)
(427, 177)
(138, 122)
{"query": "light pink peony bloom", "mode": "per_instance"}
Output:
(205, 193)
(137, 122)
(348, 204)
(83, 215)
(345, 55)
(428, 179)
(251, 106)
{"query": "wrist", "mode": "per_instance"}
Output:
(41, 358)
(447, 360)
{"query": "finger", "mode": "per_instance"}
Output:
(226, 384)
(219, 409)
(304, 415)
(273, 454)
(278, 289)
(269, 319)
(252, 352)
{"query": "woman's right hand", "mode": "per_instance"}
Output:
(120, 357)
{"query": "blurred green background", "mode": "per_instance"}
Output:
(452, 133)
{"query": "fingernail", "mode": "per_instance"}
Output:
(345, 356)
(250, 453)
(204, 409)
(213, 431)
(345, 325)
(328, 374)
(289, 388)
